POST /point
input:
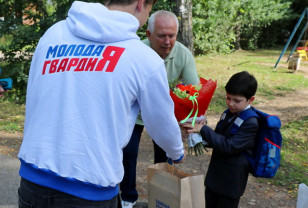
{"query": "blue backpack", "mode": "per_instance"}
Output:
(265, 159)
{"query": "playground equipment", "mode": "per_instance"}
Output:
(301, 52)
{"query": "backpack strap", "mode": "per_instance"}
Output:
(244, 115)
(224, 114)
(222, 118)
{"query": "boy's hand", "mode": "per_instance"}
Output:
(192, 129)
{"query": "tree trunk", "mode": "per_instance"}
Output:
(237, 44)
(184, 12)
(18, 7)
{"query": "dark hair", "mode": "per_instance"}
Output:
(127, 2)
(242, 83)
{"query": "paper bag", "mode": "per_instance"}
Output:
(168, 187)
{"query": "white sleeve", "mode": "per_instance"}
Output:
(157, 111)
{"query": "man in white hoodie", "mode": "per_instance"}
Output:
(89, 77)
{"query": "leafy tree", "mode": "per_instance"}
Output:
(255, 16)
(212, 26)
(223, 25)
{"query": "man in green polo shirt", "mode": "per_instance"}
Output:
(180, 65)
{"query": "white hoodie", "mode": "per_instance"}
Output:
(89, 77)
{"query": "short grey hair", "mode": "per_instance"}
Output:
(158, 14)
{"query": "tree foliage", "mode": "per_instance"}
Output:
(224, 25)
(211, 26)
(257, 16)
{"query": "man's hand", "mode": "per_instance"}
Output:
(183, 159)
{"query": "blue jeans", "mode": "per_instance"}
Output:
(159, 154)
(36, 196)
(130, 154)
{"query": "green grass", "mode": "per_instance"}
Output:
(11, 117)
(294, 165)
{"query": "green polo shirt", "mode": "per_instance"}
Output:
(180, 65)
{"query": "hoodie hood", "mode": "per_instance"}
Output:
(95, 22)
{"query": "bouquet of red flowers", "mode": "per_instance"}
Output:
(191, 102)
(196, 101)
